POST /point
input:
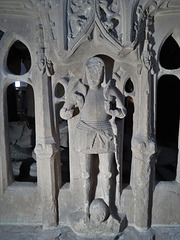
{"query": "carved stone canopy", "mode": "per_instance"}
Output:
(118, 21)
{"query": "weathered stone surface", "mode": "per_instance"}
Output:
(99, 210)
(169, 194)
(96, 133)
(64, 233)
(108, 59)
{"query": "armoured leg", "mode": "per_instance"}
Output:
(106, 161)
(85, 164)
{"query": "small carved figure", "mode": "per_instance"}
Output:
(78, 15)
(111, 17)
(99, 104)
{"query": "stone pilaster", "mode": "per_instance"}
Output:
(142, 181)
(46, 164)
(6, 175)
(49, 179)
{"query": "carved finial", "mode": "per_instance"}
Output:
(49, 68)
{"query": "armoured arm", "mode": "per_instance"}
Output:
(113, 104)
(74, 99)
(114, 107)
(66, 111)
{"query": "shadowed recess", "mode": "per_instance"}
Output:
(167, 127)
(170, 54)
(19, 59)
(21, 116)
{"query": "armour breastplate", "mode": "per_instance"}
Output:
(93, 108)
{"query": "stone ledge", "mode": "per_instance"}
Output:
(64, 233)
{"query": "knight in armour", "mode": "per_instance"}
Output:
(98, 104)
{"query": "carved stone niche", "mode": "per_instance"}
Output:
(89, 203)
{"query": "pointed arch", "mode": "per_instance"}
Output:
(18, 59)
(170, 52)
(9, 38)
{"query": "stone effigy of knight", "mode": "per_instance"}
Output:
(99, 105)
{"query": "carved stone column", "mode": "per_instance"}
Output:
(143, 150)
(46, 150)
(143, 146)
(45, 153)
(6, 175)
(142, 180)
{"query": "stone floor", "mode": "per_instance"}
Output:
(64, 233)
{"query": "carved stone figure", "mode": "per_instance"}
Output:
(99, 104)
(111, 18)
(79, 13)
(116, 171)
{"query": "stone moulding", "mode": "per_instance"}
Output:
(119, 21)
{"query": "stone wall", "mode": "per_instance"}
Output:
(61, 36)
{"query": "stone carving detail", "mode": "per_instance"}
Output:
(143, 11)
(148, 46)
(115, 17)
(110, 17)
(79, 15)
(41, 48)
(44, 64)
(99, 104)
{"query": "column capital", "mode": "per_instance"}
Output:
(45, 149)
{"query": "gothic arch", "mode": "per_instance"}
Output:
(170, 50)
(18, 59)
(8, 40)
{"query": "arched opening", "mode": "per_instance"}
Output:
(19, 59)
(129, 87)
(167, 127)
(128, 131)
(170, 54)
(59, 90)
(21, 116)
